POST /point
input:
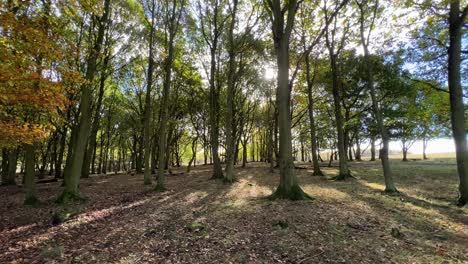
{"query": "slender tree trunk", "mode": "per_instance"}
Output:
(372, 150)
(343, 159)
(230, 137)
(383, 153)
(10, 178)
(457, 108)
(425, 142)
(313, 133)
(4, 165)
(147, 111)
(244, 153)
(95, 125)
(172, 31)
(194, 153)
(358, 146)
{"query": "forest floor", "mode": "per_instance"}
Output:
(205, 221)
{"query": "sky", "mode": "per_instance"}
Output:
(440, 145)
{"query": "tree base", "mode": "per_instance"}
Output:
(159, 188)
(147, 182)
(342, 177)
(294, 194)
(391, 191)
(31, 201)
(67, 197)
(462, 201)
(318, 173)
(229, 180)
(217, 176)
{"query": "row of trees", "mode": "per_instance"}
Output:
(120, 85)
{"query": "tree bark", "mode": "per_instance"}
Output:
(172, 31)
(313, 133)
(457, 108)
(147, 111)
(229, 177)
(29, 175)
(83, 128)
(95, 125)
(288, 187)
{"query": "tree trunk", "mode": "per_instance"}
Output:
(372, 150)
(10, 178)
(147, 111)
(95, 125)
(84, 124)
(172, 31)
(194, 153)
(29, 175)
(244, 152)
(389, 184)
(343, 159)
(425, 142)
(358, 146)
(456, 96)
(230, 137)
(313, 133)
(4, 165)
(288, 187)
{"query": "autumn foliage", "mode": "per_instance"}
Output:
(32, 74)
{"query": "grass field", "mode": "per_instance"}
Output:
(204, 221)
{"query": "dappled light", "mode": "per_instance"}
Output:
(233, 131)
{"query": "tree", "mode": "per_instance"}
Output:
(31, 86)
(172, 15)
(457, 107)
(82, 129)
(334, 47)
(282, 17)
(149, 84)
(212, 23)
(369, 11)
(435, 45)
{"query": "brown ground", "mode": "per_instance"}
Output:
(200, 220)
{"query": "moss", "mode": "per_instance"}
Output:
(229, 180)
(160, 188)
(67, 197)
(392, 190)
(283, 224)
(294, 194)
(195, 227)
